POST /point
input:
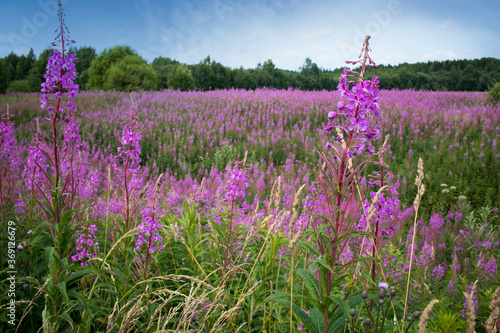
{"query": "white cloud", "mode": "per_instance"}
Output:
(450, 24)
(439, 55)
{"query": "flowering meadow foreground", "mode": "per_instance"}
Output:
(248, 211)
(201, 211)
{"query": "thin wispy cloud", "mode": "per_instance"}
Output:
(244, 33)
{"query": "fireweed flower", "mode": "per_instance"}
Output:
(487, 268)
(10, 163)
(85, 243)
(59, 80)
(438, 272)
(358, 104)
(130, 140)
(148, 235)
(236, 186)
(50, 164)
(452, 288)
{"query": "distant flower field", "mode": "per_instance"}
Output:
(194, 135)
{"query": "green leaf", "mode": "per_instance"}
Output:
(311, 283)
(76, 276)
(344, 306)
(306, 320)
(62, 289)
(324, 264)
(309, 248)
(318, 319)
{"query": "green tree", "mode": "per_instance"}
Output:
(3, 77)
(469, 79)
(18, 86)
(309, 68)
(181, 78)
(268, 66)
(85, 55)
(494, 94)
(99, 70)
(131, 73)
(35, 77)
(244, 80)
(24, 65)
(164, 67)
(222, 78)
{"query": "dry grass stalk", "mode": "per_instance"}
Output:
(421, 190)
(471, 311)
(372, 210)
(131, 316)
(226, 315)
(422, 325)
(384, 146)
(344, 146)
(277, 195)
(294, 240)
(295, 211)
(275, 189)
(495, 312)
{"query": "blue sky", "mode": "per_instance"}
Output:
(245, 32)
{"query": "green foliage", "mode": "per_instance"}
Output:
(131, 73)
(446, 322)
(164, 67)
(459, 75)
(18, 86)
(99, 70)
(494, 94)
(85, 55)
(3, 77)
(35, 77)
(181, 78)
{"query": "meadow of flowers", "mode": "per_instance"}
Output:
(248, 211)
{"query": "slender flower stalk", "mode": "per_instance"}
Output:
(59, 80)
(129, 153)
(359, 102)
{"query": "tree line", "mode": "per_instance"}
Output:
(121, 68)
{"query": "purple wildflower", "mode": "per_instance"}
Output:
(84, 243)
(148, 234)
(452, 287)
